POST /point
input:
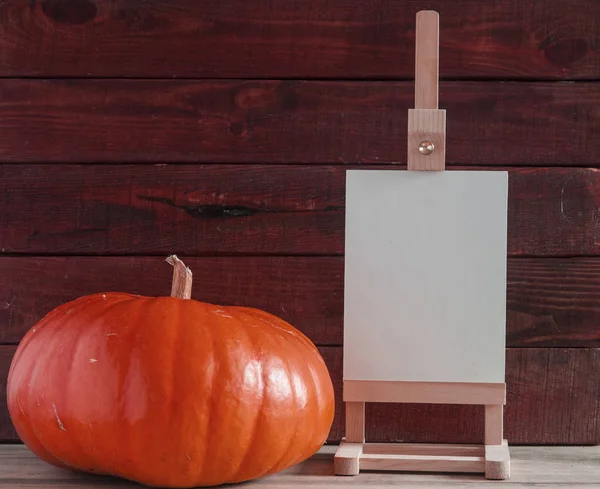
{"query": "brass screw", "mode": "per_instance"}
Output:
(426, 148)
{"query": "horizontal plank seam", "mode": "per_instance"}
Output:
(270, 78)
(182, 254)
(18, 255)
(398, 164)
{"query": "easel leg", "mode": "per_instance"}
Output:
(497, 456)
(347, 457)
(355, 422)
(494, 427)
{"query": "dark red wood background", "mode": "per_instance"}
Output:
(221, 131)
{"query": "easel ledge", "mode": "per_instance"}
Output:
(493, 460)
(424, 392)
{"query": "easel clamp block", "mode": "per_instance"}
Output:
(426, 125)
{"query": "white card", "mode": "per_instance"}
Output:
(425, 276)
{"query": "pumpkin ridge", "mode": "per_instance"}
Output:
(257, 418)
(209, 329)
(292, 439)
(134, 316)
(239, 327)
(166, 391)
(69, 378)
(173, 384)
(303, 340)
(282, 342)
(295, 333)
(15, 398)
(93, 300)
(320, 404)
(30, 335)
(66, 310)
(299, 349)
(29, 424)
(47, 362)
(43, 445)
(48, 318)
(317, 403)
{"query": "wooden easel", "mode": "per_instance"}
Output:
(426, 151)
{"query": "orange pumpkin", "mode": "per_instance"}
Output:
(168, 391)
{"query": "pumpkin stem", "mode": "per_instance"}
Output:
(182, 279)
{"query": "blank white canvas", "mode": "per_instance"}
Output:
(425, 276)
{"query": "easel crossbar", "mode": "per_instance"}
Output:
(424, 392)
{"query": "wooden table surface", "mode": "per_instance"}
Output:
(540, 467)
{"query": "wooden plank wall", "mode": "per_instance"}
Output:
(221, 130)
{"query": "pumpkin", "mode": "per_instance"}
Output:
(169, 391)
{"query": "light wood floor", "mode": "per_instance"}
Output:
(539, 467)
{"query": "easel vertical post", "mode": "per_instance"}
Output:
(426, 123)
(427, 47)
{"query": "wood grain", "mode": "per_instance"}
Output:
(171, 209)
(546, 295)
(306, 292)
(291, 121)
(7, 431)
(251, 209)
(553, 398)
(539, 467)
(317, 38)
(551, 302)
